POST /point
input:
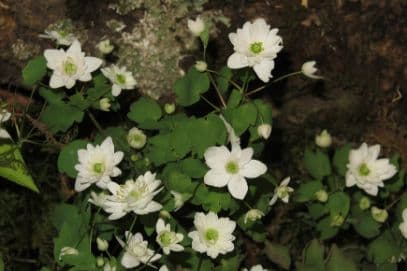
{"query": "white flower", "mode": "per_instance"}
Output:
(366, 171)
(136, 251)
(253, 215)
(282, 192)
(231, 168)
(323, 140)
(67, 251)
(213, 235)
(120, 78)
(70, 66)
(167, 239)
(201, 66)
(264, 130)
(163, 268)
(255, 46)
(4, 116)
(104, 104)
(61, 37)
(309, 70)
(255, 268)
(98, 199)
(196, 26)
(97, 164)
(105, 47)
(178, 200)
(136, 138)
(133, 196)
(403, 225)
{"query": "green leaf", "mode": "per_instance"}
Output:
(13, 168)
(34, 71)
(61, 117)
(314, 255)
(306, 191)
(222, 80)
(339, 262)
(144, 109)
(383, 248)
(339, 204)
(325, 228)
(180, 182)
(51, 96)
(317, 210)
(278, 254)
(214, 200)
(68, 157)
(229, 263)
(241, 117)
(1, 263)
(341, 159)
(194, 168)
(118, 135)
(234, 99)
(317, 163)
(363, 223)
(189, 88)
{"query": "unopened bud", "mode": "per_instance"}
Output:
(253, 215)
(337, 221)
(321, 195)
(201, 66)
(264, 130)
(102, 244)
(380, 215)
(323, 140)
(104, 104)
(169, 108)
(136, 138)
(364, 203)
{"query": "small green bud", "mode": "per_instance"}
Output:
(321, 195)
(380, 215)
(102, 244)
(104, 104)
(105, 47)
(136, 138)
(165, 214)
(169, 108)
(100, 261)
(364, 203)
(337, 221)
(253, 215)
(134, 157)
(323, 140)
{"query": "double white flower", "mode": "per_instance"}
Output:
(213, 235)
(97, 164)
(167, 239)
(255, 46)
(120, 78)
(133, 196)
(366, 171)
(136, 251)
(70, 66)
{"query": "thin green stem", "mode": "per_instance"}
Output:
(274, 81)
(233, 83)
(95, 122)
(92, 228)
(217, 90)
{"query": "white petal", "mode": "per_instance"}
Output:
(215, 157)
(273, 199)
(263, 70)
(216, 178)
(80, 185)
(372, 190)
(160, 226)
(116, 90)
(85, 77)
(237, 187)
(56, 81)
(92, 63)
(54, 58)
(237, 61)
(253, 169)
(69, 83)
(4, 134)
(74, 49)
(129, 261)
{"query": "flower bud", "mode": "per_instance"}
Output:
(178, 200)
(264, 130)
(253, 215)
(321, 195)
(196, 26)
(308, 69)
(100, 261)
(165, 214)
(102, 244)
(323, 140)
(337, 221)
(201, 66)
(105, 47)
(104, 104)
(364, 203)
(68, 251)
(380, 215)
(136, 138)
(169, 108)
(109, 267)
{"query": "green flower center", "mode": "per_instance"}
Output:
(70, 67)
(364, 170)
(99, 168)
(167, 238)
(62, 33)
(212, 235)
(256, 47)
(232, 167)
(121, 79)
(138, 192)
(283, 192)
